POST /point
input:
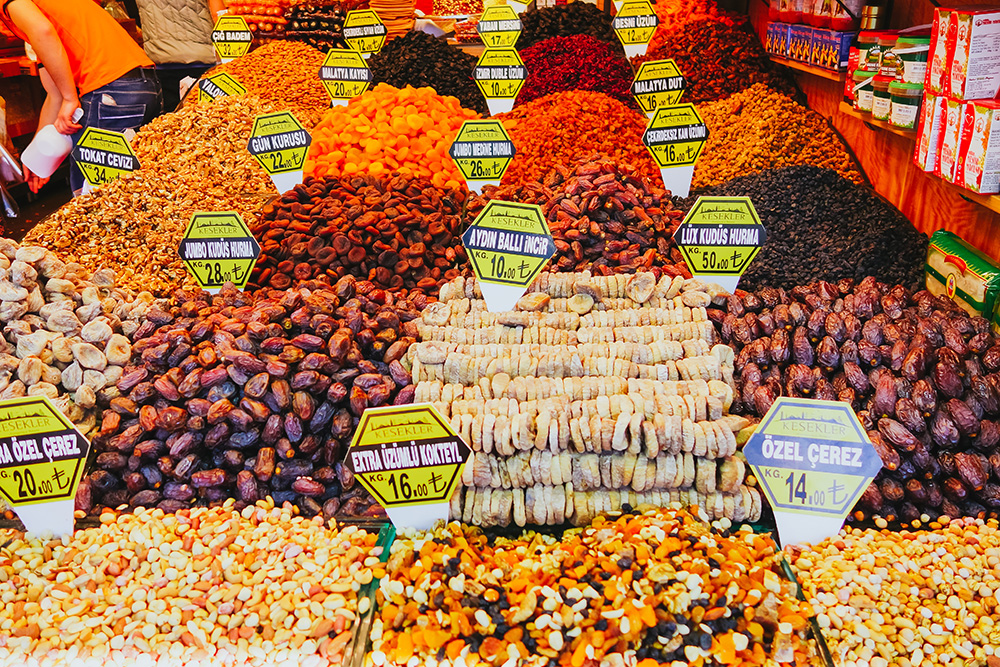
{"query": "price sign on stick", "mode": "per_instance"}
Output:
(219, 85)
(657, 83)
(42, 457)
(508, 244)
(364, 31)
(500, 75)
(675, 137)
(218, 248)
(410, 460)
(103, 156)
(482, 151)
(813, 460)
(231, 37)
(280, 143)
(499, 26)
(635, 24)
(345, 75)
(719, 237)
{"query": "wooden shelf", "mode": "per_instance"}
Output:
(808, 69)
(991, 202)
(867, 118)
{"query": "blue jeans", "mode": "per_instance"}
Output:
(127, 103)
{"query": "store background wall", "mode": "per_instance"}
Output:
(886, 158)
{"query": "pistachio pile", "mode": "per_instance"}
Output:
(251, 395)
(194, 159)
(596, 393)
(923, 376)
(659, 587)
(205, 586)
(65, 331)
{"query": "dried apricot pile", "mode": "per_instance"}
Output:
(405, 130)
(653, 588)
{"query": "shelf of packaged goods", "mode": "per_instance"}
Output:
(846, 108)
(991, 202)
(808, 69)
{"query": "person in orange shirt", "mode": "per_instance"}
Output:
(90, 63)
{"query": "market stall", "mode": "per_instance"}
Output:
(334, 366)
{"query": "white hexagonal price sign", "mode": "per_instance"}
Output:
(813, 460)
(635, 24)
(719, 237)
(364, 31)
(499, 26)
(231, 37)
(500, 75)
(482, 151)
(657, 83)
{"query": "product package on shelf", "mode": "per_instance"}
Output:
(830, 49)
(600, 391)
(938, 76)
(800, 39)
(928, 143)
(974, 53)
(957, 270)
(978, 167)
(951, 131)
(776, 42)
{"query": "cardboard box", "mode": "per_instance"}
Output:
(928, 144)
(978, 167)
(800, 38)
(776, 39)
(830, 48)
(937, 61)
(951, 132)
(957, 270)
(974, 53)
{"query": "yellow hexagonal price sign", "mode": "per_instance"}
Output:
(41, 452)
(499, 26)
(364, 31)
(635, 24)
(409, 458)
(657, 83)
(345, 75)
(813, 460)
(508, 244)
(500, 75)
(279, 143)
(103, 156)
(482, 150)
(218, 248)
(719, 237)
(218, 85)
(231, 37)
(675, 135)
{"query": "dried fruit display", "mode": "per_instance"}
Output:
(251, 395)
(419, 59)
(321, 25)
(673, 14)
(820, 226)
(577, 62)
(557, 129)
(64, 331)
(598, 392)
(663, 587)
(284, 75)
(194, 159)
(401, 234)
(170, 570)
(575, 18)
(761, 128)
(387, 130)
(921, 373)
(913, 597)
(602, 217)
(718, 59)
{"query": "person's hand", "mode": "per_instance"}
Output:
(34, 181)
(64, 121)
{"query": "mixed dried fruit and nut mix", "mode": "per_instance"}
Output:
(607, 513)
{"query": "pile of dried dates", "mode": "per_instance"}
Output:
(602, 218)
(920, 372)
(399, 233)
(251, 395)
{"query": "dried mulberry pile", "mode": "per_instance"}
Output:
(579, 62)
